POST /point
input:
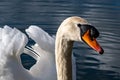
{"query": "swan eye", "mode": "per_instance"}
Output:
(79, 25)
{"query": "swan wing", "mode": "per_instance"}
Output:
(13, 40)
(4, 73)
(42, 38)
(45, 46)
(12, 43)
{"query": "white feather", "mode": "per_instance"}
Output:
(12, 43)
(45, 45)
(11, 46)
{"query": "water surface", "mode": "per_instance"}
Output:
(48, 14)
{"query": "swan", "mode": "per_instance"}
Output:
(71, 29)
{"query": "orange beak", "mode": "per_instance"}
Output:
(92, 42)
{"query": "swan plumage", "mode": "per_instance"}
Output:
(13, 42)
(45, 45)
(46, 52)
(45, 65)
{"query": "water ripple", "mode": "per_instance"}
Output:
(48, 14)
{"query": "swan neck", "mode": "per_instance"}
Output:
(63, 54)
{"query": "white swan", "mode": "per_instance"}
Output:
(72, 29)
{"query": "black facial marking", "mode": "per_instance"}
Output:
(93, 31)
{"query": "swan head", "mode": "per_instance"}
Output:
(78, 29)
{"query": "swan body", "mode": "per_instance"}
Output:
(55, 61)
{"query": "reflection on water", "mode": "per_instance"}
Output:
(48, 14)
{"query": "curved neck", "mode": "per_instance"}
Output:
(63, 52)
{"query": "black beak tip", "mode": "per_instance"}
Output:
(102, 51)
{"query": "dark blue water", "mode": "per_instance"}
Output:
(48, 14)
